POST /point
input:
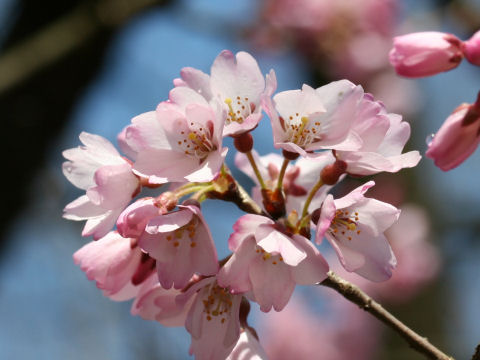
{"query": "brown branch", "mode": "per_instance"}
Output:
(357, 296)
(61, 37)
(476, 356)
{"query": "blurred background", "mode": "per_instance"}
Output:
(72, 66)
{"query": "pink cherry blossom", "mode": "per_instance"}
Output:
(425, 53)
(472, 49)
(354, 226)
(457, 138)
(247, 348)
(133, 220)
(156, 303)
(299, 178)
(239, 83)
(107, 177)
(236, 80)
(268, 263)
(116, 264)
(384, 136)
(182, 244)
(306, 120)
(213, 319)
(180, 141)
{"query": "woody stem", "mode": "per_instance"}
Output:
(365, 302)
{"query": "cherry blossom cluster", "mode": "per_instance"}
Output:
(429, 53)
(162, 253)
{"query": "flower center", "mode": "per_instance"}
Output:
(345, 223)
(198, 141)
(239, 109)
(302, 131)
(217, 303)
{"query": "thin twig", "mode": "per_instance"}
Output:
(357, 296)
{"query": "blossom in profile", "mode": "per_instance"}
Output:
(213, 319)
(267, 263)
(237, 82)
(181, 244)
(354, 225)
(457, 138)
(310, 119)
(107, 177)
(180, 141)
(116, 264)
(425, 53)
(155, 303)
(384, 136)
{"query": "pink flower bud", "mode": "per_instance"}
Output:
(457, 138)
(425, 53)
(472, 49)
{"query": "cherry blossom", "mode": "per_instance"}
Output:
(383, 138)
(268, 263)
(180, 141)
(306, 120)
(425, 53)
(116, 264)
(247, 348)
(182, 244)
(107, 177)
(213, 319)
(354, 226)
(153, 302)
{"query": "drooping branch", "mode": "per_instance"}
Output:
(357, 296)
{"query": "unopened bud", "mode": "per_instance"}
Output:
(425, 53)
(332, 172)
(167, 201)
(243, 142)
(472, 49)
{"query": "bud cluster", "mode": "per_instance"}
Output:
(429, 53)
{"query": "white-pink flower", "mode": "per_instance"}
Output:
(237, 82)
(213, 319)
(156, 303)
(116, 264)
(133, 220)
(107, 177)
(247, 348)
(268, 263)
(182, 244)
(354, 226)
(384, 136)
(306, 120)
(299, 178)
(180, 141)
